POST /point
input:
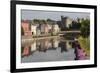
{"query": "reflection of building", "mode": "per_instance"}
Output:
(33, 46)
(26, 51)
(55, 43)
(50, 44)
(43, 46)
(26, 27)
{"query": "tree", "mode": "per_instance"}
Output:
(22, 31)
(49, 20)
(75, 26)
(36, 21)
(42, 21)
(85, 28)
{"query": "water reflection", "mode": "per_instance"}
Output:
(52, 49)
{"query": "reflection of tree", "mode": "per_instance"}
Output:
(63, 47)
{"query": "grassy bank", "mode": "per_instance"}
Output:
(85, 44)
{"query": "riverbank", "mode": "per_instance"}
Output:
(37, 38)
(85, 44)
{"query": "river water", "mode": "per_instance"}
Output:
(48, 49)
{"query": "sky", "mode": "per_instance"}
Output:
(54, 15)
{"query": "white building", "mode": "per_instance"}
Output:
(56, 28)
(33, 29)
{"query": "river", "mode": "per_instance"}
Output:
(45, 50)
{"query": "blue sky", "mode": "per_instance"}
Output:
(54, 15)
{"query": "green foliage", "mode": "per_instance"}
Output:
(85, 28)
(38, 21)
(85, 44)
(42, 22)
(75, 26)
(49, 20)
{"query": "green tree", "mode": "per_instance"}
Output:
(42, 21)
(75, 26)
(49, 20)
(85, 28)
(36, 21)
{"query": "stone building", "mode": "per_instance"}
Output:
(66, 21)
